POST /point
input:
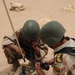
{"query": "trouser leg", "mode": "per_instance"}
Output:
(15, 66)
(10, 55)
(12, 58)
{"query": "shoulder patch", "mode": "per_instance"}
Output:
(59, 57)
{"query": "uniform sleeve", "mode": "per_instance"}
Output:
(70, 61)
(7, 40)
(43, 50)
(43, 47)
(43, 53)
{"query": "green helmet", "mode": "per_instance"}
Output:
(30, 30)
(52, 32)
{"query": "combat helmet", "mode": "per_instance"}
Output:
(52, 32)
(30, 30)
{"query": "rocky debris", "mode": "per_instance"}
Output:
(70, 8)
(17, 7)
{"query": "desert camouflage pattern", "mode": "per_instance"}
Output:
(7, 40)
(64, 63)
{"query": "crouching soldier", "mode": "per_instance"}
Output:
(30, 43)
(63, 63)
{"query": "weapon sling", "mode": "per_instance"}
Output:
(68, 50)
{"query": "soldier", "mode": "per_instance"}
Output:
(30, 43)
(52, 33)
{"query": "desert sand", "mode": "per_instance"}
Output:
(39, 10)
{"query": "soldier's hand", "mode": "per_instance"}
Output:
(38, 69)
(35, 42)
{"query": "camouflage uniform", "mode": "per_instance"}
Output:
(30, 52)
(7, 40)
(64, 63)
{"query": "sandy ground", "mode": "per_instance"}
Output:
(60, 10)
